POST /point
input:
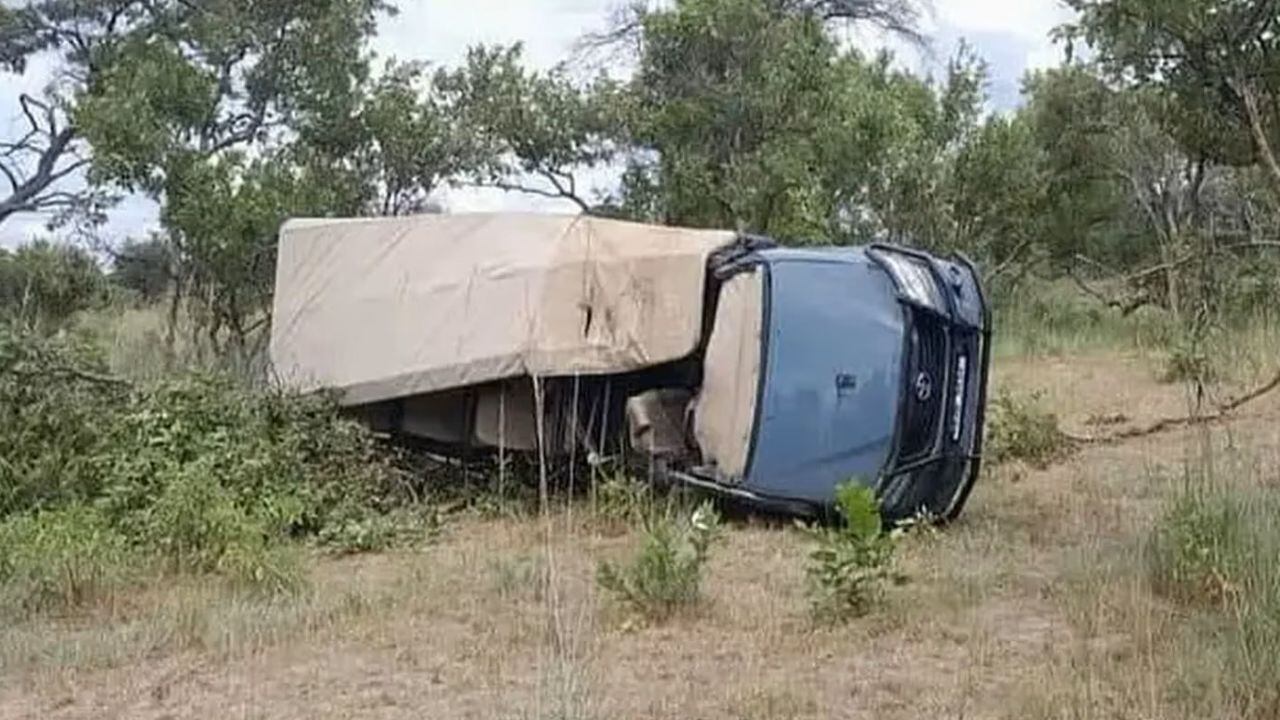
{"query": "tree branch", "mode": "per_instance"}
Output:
(1126, 306)
(10, 177)
(569, 193)
(559, 193)
(1169, 423)
(28, 195)
(1008, 262)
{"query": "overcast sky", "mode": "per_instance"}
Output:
(1012, 35)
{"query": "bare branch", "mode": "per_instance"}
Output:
(569, 193)
(1170, 423)
(27, 102)
(74, 373)
(558, 194)
(10, 176)
(898, 17)
(30, 194)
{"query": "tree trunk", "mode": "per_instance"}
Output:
(1260, 141)
(1172, 295)
(171, 331)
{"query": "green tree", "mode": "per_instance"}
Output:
(386, 148)
(729, 105)
(144, 267)
(528, 131)
(1215, 62)
(199, 105)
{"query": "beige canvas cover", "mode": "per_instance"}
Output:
(384, 308)
(725, 413)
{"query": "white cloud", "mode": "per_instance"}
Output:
(440, 31)
(1028, 18)
(1029, 21)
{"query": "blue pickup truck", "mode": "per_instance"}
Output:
(720, 360)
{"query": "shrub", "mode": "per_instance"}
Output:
(195, 525)
(59, 560)
(666, 574)
(1018, 428)
(55, 407)
(196, 471)
(352, 528)
(852, 561)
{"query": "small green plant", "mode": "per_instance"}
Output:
(666, 574)
(356, 530)
(852, 561)
(1018, 428)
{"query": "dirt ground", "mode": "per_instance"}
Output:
(997, 618)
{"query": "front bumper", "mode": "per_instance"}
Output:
(935, 475)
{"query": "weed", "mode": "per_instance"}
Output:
(666, 574)
(1019, 429)
(851, 562)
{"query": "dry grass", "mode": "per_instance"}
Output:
(1034, 605)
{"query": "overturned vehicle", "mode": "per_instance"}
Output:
(720, 360)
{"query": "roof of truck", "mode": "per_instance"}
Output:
(380, 308)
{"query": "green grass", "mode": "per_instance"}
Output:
(1054, 319)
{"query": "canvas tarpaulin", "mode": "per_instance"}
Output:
(385, 308)
(725, 414)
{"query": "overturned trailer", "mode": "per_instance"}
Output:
(721, 360)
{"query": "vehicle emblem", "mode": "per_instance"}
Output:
(924, 387)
